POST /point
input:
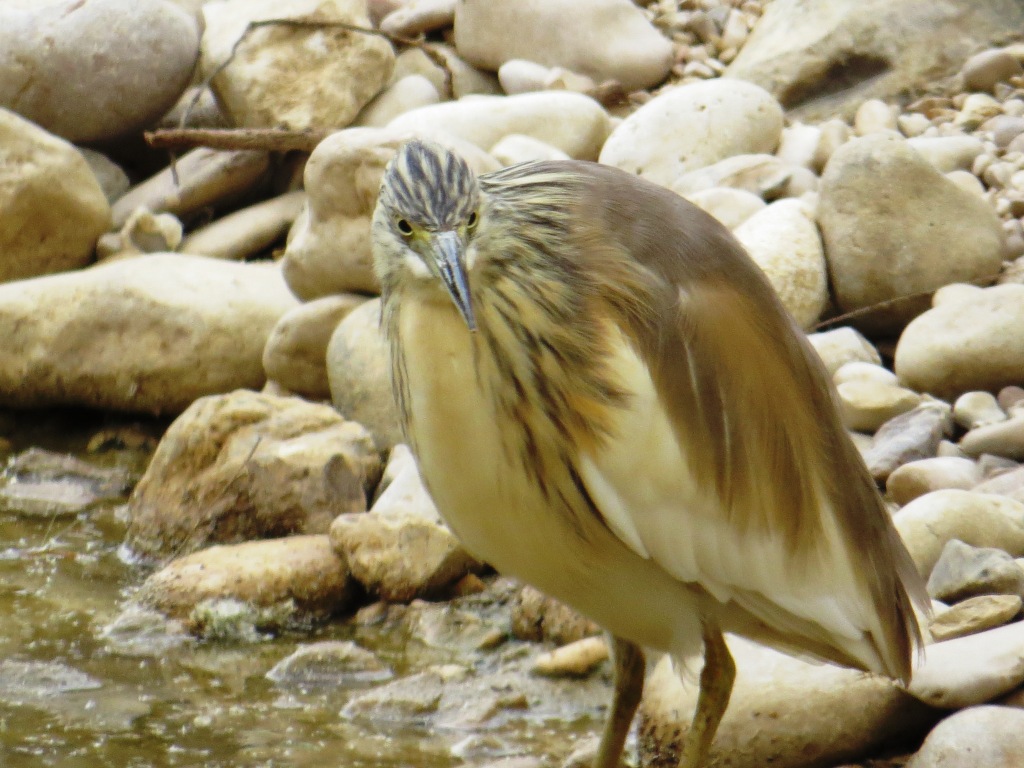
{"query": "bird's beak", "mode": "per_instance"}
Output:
(449, 250)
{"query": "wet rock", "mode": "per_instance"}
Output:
(39, 483)
(202, 178)
(916, 478)
(975, 614)
(783, 712)
(537, 617)
(967, 344)
(359, 373)
(980, 519)
(908, 437)
(1005, 438)
(576, 659)
(130, 59)
(979, 737)
(880, 197)
(401, 549)
(247, 232)
(964, 571)
(729, 205)
(87, 338)
(296, 353)
(844, 345)
(571, 122)
(971, 670)
(783, 241)
(328, 248)
(282, 582)
(52, 206)
(246, 465)
(724, 118)
(827, 56)
(21, 680)
(611, 39)
(867, 405)
(330, 663)
(977, 409)
(275, 76)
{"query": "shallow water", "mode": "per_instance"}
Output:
(74, 695)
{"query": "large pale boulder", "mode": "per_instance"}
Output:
(722, 118)
(820, 57)
(52, 208)
(610, 39)
(147, 334)
(964, 344)
(895, 227)
(90, 70)
(291, 76)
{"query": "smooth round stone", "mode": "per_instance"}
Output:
(783, 241)
(916, 478)
(408, 93)
(98, 69)
(329, 663)
(964, 345)
(834, 133)
(522, 76)
(1004, 129)
(984, 70)
(975, 614)
(275, 78)
(418, 17)
(978, 519)
(967, 181)
(843, 345)
(913, 435)
(609, 39)
(873, 116)
(723, 117)
(111, 177)
(977, 108)
(798, 144)
(571, 122)
(964, 571)
(516, 148)
(879, 197)
(763, 175)
(976, 409)
(861, 371)
(979, 737)
(1005, 438)
(52, 209)
(948, 153)
(867, 405)
(246, 232)
(913, 124)
(1010, 396)
(729, 205)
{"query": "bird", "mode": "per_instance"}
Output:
(607, 400)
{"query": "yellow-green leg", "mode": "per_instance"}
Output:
(716, 679)
(629, 687)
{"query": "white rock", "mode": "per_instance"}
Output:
(729, 205)
(52, 209)
(760, 174)
(843, 345)
(248, 231)
(328, 249)
(98, 69)
(964, 345)
(522, 76)
(867, 405)
(783, 240)
(277, 76)
(967, 181)
(723, 117)
(976, 409)
(516, 148)
(408, 93)
(111, 177)
(610, 39)
(571, 122)
(858, 370)
(87, 337)
(978, 519)
(979, 737)
(916, 478)
(889, 219)
(417, 17)
(873, 116)
(798, 144)
(971, 670)
(1005, 438)
(948, 153)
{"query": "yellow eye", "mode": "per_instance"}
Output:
(404, 227)
(472, 220)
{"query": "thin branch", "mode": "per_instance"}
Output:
(265, 139)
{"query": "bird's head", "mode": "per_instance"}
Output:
(428, 211)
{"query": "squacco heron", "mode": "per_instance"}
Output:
(608, 401)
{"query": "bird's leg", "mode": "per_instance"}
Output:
(629, 686)
(716, 679)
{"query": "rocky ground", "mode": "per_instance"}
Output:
(869, 154)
